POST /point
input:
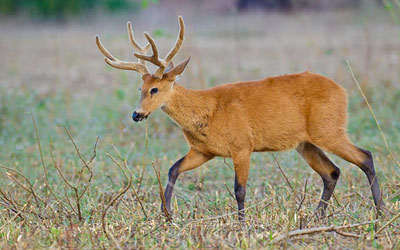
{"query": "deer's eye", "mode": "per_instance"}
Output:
(153, 91)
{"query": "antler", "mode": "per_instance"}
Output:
(135, 45)
(163, 63)
(116, 63)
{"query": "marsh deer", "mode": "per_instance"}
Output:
(306, 112)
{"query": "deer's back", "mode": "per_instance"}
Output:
(275, 113)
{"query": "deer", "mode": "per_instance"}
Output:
(303, 111)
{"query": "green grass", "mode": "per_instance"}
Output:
(200, 195)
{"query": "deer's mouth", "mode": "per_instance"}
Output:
(137, 117)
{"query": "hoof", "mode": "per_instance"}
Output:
(380, 211)
(320, 213)
(241, 217)
(170, 212)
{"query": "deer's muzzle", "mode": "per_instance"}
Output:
(137, 117)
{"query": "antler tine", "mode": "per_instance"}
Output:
(163, 63)
(174, 50)
(135, 45)
(116, 63)
(154, 59)
(104, 50)
(142, 69)
(178, 42)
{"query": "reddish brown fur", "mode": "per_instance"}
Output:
(306, 112)
(273, 114)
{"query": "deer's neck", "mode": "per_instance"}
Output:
(191, 109)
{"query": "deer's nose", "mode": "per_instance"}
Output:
(137, 116)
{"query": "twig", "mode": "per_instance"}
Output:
(43, 164)
(388, 223)
(318, 230)
(14, 208)
(286, 178)
(69, 201)
(373, 114)
(225, 215)
(337, 211)
(337, 201)
(388, 239)
(77, 200)
(227, 164)
(10, 176)
(139, 200)
(115, 242)
(58, 169)
(227, 188)
(146, 144)
(85, 164)
(347, 234)
(130, 173)
(12, 219)
(113, 200)
(31, 190)
(303, 195)
(393, 196)
(162, 196)
(78, 197)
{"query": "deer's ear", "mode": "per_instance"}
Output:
(169, 67)
(145, 77)
(177, 71)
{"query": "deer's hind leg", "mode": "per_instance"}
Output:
(363, 159)
(328, 171)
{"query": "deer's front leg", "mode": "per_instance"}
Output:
(191, 160)
(242, 165)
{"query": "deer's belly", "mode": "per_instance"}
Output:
(214, 144)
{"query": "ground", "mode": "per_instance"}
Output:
(55, 73)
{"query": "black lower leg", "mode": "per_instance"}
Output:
(240, 193)
(172, 176)
(329, 186)
(369, 170)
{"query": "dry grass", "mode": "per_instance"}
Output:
(72, 192)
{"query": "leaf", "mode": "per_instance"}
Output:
(388, 5)
(145, 4)
(120, 94)
(158, 32)
(41, 104)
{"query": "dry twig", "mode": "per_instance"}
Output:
(373, 114)
(388, 223)
(331, 228)
(162, 195)
(75, 188)
(286, 178)
(113, 200)
(46, 180)
(130, 173)
(8, 202)
(303, 195)
(30, 189)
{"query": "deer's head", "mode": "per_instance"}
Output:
(157, 88)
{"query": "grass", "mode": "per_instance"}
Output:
(121, 206)
(204, 206)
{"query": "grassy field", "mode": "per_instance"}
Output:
(55, 75)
